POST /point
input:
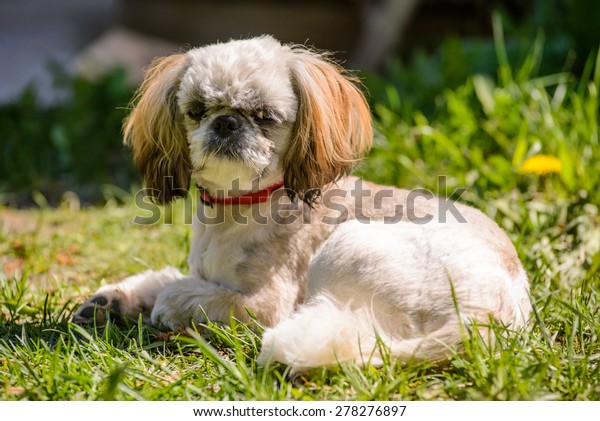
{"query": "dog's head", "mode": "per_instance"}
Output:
(254, 111)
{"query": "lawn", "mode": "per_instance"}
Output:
(523, 148)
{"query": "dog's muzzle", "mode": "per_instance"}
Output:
(227, 136)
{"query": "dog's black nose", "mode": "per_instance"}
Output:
(225, 125)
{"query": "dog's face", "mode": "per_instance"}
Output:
(239, 108)
(246, 113)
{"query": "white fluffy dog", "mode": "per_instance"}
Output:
(332, 265)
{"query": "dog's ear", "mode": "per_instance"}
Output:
(333, 127)
(155, 132)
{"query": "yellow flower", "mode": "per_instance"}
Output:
(540, 164)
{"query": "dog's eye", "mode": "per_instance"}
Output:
(262, 117)
(196, 113)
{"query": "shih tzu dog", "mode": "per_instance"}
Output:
(333, 266)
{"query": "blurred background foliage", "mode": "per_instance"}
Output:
(488, 122)
(567, 30)
(453, 105)
(74, 144)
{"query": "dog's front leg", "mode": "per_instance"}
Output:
(131, 297)
(168, 298)
(195, 300)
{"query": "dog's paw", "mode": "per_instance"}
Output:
(178, 306)
(168, 315)
(107, 300)
(96, 308)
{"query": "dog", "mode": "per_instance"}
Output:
(332, 266)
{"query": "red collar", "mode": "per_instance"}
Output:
(259, 196)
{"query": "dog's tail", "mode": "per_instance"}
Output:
(326, 333)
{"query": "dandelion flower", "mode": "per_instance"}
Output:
(540, 164)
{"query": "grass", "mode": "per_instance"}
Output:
(478, 137)
(69, 253)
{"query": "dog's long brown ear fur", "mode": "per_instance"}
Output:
(333, 128)
(155, 132)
